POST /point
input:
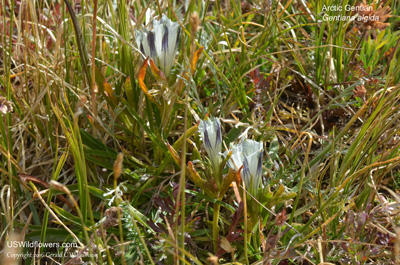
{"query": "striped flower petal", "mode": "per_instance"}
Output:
(161, 43)
(249, 154)
(210, 132)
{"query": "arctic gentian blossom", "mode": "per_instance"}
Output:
(160, 43)
(210, 132)
(249, 154)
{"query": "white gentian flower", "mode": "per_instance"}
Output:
(210, 132)
(160, 43)
(249, 154)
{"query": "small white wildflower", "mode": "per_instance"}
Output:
(5, 105)
(160, 43)
(249, 154)
(210, 132)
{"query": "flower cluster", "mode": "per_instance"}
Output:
(160, 43)
(244, 159)
(247, 155)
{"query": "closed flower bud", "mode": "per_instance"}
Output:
(210, 132)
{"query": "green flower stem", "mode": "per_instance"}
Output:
(246, 255)
(217, 207)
